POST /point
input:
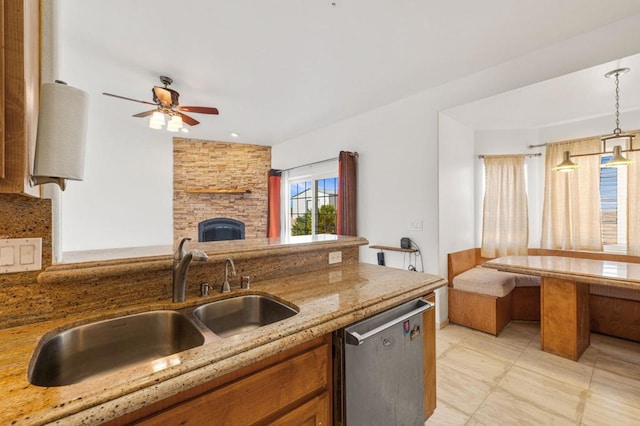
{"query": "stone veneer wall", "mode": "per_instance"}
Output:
(199, 164)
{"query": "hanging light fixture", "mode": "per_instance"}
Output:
(613, 142)
(175, 123)
(157, 120)
(567, 165)
(617, 139)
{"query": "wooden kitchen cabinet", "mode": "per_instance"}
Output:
(20, 85)
(291, 388)
(429, 341)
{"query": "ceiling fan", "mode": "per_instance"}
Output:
(165, 101)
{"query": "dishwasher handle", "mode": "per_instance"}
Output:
(355, 338)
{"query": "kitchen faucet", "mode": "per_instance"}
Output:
(225, 286)
(181, 261)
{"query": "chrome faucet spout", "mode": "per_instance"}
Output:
(226, 288)
(181, 261)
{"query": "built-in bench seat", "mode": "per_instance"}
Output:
(492, 282)
(485, 299)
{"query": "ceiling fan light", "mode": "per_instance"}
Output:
(157, 120)
(567, 165)
(175, 123)
(618, 160)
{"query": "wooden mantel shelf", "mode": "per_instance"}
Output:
(390, 248)
(217, 191)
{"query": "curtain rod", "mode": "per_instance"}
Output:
(538, 154)
(353, 154)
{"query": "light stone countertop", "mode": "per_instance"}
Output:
(328, 300)
(592, 271)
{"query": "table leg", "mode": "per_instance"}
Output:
(564, 317)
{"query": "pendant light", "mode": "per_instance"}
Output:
(567, 165)
(616, 140)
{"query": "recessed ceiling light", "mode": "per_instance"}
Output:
(234, 134)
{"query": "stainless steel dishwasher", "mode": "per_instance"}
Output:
(379, 369)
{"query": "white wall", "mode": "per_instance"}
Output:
(456, 195)
(398, 174)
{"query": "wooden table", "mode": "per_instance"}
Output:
(564, 295)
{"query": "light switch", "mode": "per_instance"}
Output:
(27, 253)
(7, 256)
(20, 255)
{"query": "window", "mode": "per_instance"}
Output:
(312, 195)
(613, 205)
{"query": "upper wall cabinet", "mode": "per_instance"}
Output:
(20, 84)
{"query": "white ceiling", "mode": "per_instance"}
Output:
(279, 69)
(585, 94)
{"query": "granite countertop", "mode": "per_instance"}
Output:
(591, 271)
(328, 300)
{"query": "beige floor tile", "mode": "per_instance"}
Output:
(502, 408)
(622, 349)
(521, 332)
(446, 415)
(459, 390)
(556, 367)
(443, 346)
(453, 333)
(474, 364)
(544, 392)
(499, 347)
(617, 365)
(477, 377)
(601, 411)
(589, 356)
(614, 386)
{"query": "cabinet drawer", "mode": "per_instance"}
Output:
(254, 397)
(315, 412)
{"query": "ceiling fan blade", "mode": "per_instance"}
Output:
(198, 109)
(127, 99)
(145, 114)
(188, 120)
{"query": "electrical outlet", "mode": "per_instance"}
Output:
(20, 255)
(335, 257)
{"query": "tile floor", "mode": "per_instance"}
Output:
(508, 380)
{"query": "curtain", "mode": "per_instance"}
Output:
(633, 202)
(346, 220)
(505, 220)
(273, 213)
(571, 210)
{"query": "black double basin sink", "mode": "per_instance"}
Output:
(101, 347)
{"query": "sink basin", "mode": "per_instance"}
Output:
(84, 351)
(242, 313)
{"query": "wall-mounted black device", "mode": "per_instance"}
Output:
(405, 243)
(381, 258)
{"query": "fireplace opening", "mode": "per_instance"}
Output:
(220, 229)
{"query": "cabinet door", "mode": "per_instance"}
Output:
(2, 91)
(253, 398)
(21, 88)
(315, 412)
(429, 339)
